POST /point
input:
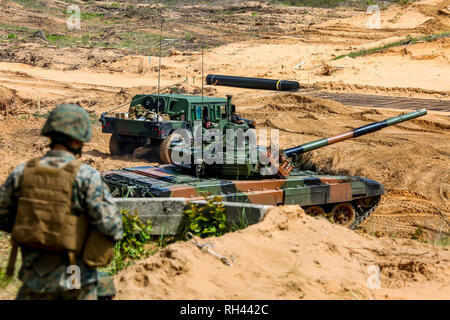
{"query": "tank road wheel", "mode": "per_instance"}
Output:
(117, 147)
(343, 214)
(369, 201)
(315, 211)
(164, 147)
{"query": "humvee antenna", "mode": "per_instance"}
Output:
(202, 77)
(159, 69)
(143, 97)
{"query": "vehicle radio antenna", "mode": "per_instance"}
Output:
(159, 68)
(202, 77)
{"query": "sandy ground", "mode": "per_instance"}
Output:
(291, 256)
(411, 160)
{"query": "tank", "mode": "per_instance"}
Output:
(346, 200)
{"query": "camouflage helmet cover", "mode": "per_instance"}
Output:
(71, 120)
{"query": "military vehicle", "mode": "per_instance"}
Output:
(152, 120)
(347, 200)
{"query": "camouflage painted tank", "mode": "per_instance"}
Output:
(347, 200)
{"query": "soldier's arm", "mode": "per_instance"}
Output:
(9, 194)
(102, 210)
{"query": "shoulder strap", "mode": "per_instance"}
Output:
(32, 163)
(73, 166)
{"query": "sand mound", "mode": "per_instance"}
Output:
(7, 98)
(391, 156)
(12, 104)
(290, 256)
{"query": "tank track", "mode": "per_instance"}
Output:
(363, 213)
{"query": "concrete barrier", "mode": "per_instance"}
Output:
(166, 214)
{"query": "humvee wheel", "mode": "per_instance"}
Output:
(343, 214)
(164, 147)
(120, 148)
(315, 211)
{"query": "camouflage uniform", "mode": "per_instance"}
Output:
(44, 273)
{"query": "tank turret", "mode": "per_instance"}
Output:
(272, 163)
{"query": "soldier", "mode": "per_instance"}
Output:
(56, 208)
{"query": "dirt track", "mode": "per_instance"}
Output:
(377, 101)
(411, 160)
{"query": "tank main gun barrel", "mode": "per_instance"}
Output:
(357, 132)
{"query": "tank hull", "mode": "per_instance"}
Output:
(304, 188)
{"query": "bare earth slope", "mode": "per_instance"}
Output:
(291, 256)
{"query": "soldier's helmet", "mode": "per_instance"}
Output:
(71, 120)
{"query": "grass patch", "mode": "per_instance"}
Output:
(440, 241)
(10, 27)
(136, 234)
(143, 42)
(8, 286)
(90, 15)
(62, 40)
(407, 40)
(311, 3)
(33, 4)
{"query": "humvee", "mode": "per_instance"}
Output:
(174, 111)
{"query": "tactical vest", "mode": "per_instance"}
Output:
(45, 220)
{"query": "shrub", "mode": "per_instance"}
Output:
(208, 220)
(136, 234)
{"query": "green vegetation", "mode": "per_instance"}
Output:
(90, 15)
(41, 115)
(10, 27)
(208, 220)
(144, 42)
(189, 36)
(310, 3)
(440, 239)
(242, 223)
(8, 286)
(136, 234)
(31, 4)
(417, 235)
(408, 40)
